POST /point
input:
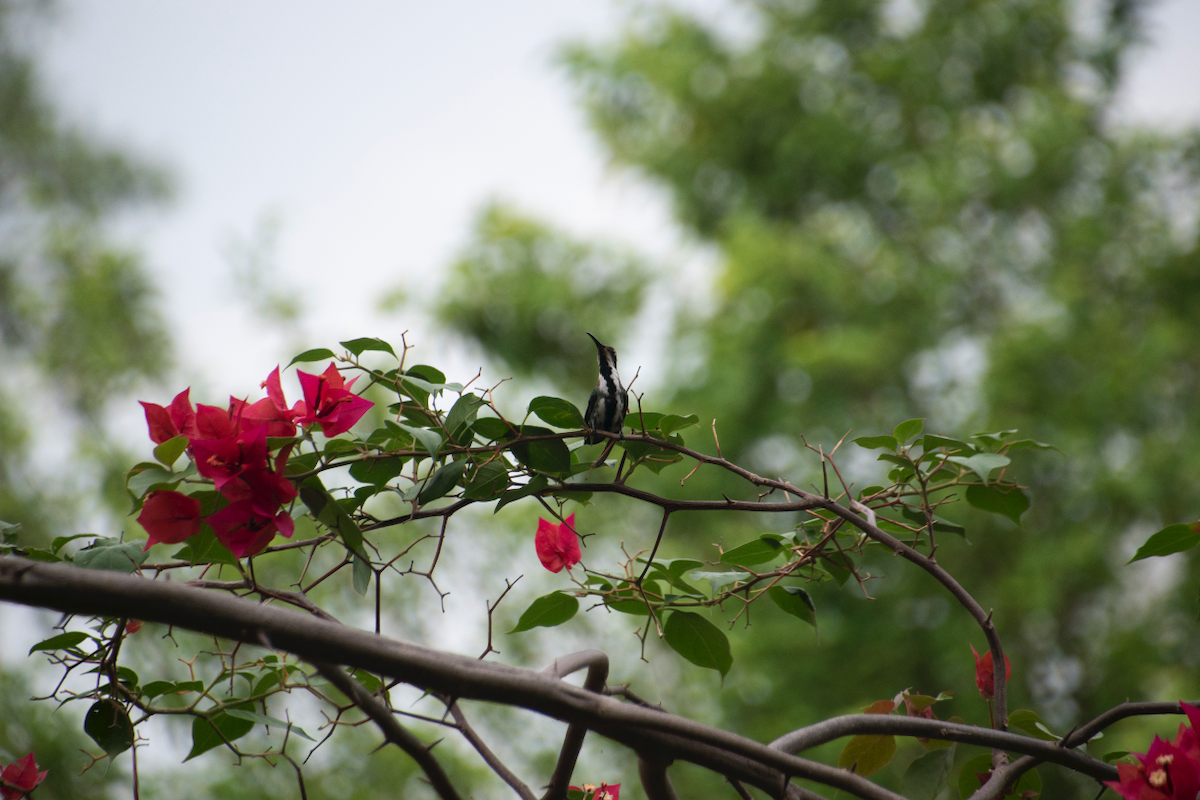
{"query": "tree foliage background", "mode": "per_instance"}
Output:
(933, 216)
(928, 215)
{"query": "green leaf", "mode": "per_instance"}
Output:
(547, 455)
(491, 428)
(169, 451)
(143, 481)
(330, 513)
(337, 447)
(1032, 724)
(319, 354)
(108, 724)
(112, 555)
(556, 411)
(547, 611)
(932, 442)
(637, 420)
(908, 430)
(59, 541)
(982, 763)
(795, 601)
(699, 641)
(997, 436)
(1171, 539)
(431, 441)
(210, 733)
(718, 580)
(875, 442)
(981, 464)
(377, 471)
(360, 574)
(461, 415)
(926, 775)
(64, 641)
(867, 754)
(535, 485)
(205, 548)
(157, 688)
(1008, 501)
(759, 551)
(263, 719)
(488, 482)
(671, 423)
(302, 463)
(445, 478)
(1021, 443)
(360, 346)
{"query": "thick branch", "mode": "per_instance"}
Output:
(95, 592)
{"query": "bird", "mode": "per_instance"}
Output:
(609, 401)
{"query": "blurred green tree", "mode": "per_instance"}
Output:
(925, 210)
(79, 322)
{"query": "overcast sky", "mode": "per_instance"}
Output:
(372, 132)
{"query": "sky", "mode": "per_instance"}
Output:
(365, 140)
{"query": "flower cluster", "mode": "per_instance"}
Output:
(229, 447)
(1169, 771)
(20, 778)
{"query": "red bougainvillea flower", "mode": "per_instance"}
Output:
(169, 517)
(20, 777)
(557, 545)
(271, 411)
(602, 792)
(167, 423)
(213, 422)
(1187, 739)
(1164, 773)
(222, 460)
(329, 402)
(985, 673)
(246, 532)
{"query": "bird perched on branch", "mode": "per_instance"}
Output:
(609, 401)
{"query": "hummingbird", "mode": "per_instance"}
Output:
(609, 401)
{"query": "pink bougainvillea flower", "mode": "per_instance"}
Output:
(266, 491)
(20, 777)
(272, 410)
(1164, 773)
(602, 792)
(222, 460)
(246, 532)
(329, 402)
(985, 673)
(169, 517)
(557, 545)
(1187, 740)
(167, 423)
(213, 422)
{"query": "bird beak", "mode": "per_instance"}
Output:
(597, 341)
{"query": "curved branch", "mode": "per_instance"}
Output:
(655, 783)
(485, 752)
(94, 592)
(596, 662)
(1085, 733)
(394, 732)
(855, 724)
